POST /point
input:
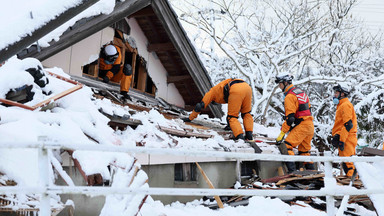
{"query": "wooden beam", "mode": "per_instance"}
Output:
(51, 99)
(56, 97)
(32, 37)
(173, 79)
(154, 29)
(157, 47)
(143, 13)
(217, 198)
(366, 151)
(183, 133)
(121, 10)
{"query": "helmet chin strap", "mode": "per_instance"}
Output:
(340, 96)
(285, 86)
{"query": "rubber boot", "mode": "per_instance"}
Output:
(248, 135)
(240, 136)
(291, 166)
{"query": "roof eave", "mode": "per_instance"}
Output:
(184, 46)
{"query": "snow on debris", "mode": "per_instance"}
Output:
(372, 175)
(76, 117)
(34, 14)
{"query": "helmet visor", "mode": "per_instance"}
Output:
(110, 59)
(337, 88)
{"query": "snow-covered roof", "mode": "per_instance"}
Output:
(37, 19)
(184, 64)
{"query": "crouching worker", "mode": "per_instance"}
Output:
(111, 68)
(298, 121)
(344, 131)
(238, 94)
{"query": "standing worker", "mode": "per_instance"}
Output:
(298, 121)
(344, 131)
(238, 94)
(111, 68)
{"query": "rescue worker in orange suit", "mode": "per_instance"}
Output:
(344, 131)
(111, 68)
(298, 121)
(238, 94)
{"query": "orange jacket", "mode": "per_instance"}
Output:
(344, 113)
(291, 105)
(216, 93)
(115, 67)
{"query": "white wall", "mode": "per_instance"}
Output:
(73, 58)
(156, 70)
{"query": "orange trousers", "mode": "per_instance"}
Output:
(240, 100)
(349, 150)
(125, 81)
(301, 137)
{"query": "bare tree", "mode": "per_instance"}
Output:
(315, 40)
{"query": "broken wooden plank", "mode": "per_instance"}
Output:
(182, 133)
(343, 180)
(58, 96)
(254, 146)
(366, 151)
(217, 198)
(276, 178)
(14, 103)
(107, 92)
(283, 181)
(121, 121)
(49, 100)
(141, 204)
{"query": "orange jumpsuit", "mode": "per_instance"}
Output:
(115, 71)
(239, 100)
(344, 113)
(301, 135)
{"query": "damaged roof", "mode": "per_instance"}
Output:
(166, 38)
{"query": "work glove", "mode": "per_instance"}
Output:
(105, 79)
(186, 119)
(127, 70)
(336, 140)
(280, 138)
(337, 143)
(125, 95)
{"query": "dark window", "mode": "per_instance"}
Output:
(149, 87)
(249, 168)
(185, 172)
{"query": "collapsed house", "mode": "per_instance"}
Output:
(169, 79)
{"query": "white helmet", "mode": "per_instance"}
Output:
(284, 77)
(342, 87)
(110, 50)
(110, 54)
